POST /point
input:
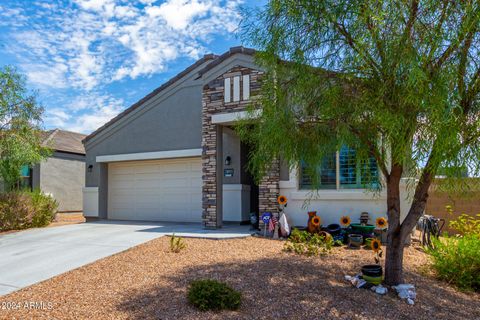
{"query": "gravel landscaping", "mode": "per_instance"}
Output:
(149, 282)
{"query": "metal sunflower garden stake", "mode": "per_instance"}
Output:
(282, 202)
(377, 248)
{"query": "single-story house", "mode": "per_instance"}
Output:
(173, 156)
(62, 174)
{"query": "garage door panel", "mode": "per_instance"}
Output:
(161, 190)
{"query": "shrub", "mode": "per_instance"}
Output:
(177, 244)
(303, 242)
(45, 208)
(457, 259)
(22, 210)
(213, 295)
(466, 224)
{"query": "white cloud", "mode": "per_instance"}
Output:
(85, 45)
(72, 115)
(179, 13)
(108, 40)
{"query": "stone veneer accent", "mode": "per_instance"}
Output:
(213, 103)
(269, 190)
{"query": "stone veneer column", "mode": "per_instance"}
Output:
(212, 161)
(211, 176)
(269, 189)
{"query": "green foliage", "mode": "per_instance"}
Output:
(20, 135)
(396, 80)
(457, 260)
(213, 295)
(22, 210)
(465, 224)
(45, 208)
(369, 75)
(177, 244)
(303, 242)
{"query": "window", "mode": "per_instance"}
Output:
(25, 178)
(236, 88)
(342, 170)
(326, 174)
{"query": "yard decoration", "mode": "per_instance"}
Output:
(381, 223)
(345, 221)
(282, 200)
(364, 218)
(284, 226)
(314, 221)
(355, 240)
(310, 227)
(377, 248)
(266, 216)
(368, 243)
(372, 273)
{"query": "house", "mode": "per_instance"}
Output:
(62, 174)
(173, 156)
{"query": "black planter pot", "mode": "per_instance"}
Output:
(334, 228)
(372, 270)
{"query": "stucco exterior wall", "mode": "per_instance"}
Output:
(333, 204)
(170, 120)
(63, 176)
(231, 148)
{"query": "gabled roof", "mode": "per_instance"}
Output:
(66, 141)
(232, 51)
(139, 103)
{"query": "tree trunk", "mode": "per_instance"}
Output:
(395, 243)
(394, 259)
(398, 232)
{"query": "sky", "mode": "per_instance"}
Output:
(87, 60)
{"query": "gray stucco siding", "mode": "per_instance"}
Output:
(173, 124)
(62, 176)
(171, 120)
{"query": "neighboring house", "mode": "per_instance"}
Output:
(162, 158)
(62, 175)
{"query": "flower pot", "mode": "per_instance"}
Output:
(334, 228)
(368, 243)
(373, 280)
(355, 240)
(362, 228)
(372, 270)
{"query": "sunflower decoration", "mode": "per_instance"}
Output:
(282, 200)
(381, 223)
(377, 248)
(345, 221)
(376, 245)
(316, 221)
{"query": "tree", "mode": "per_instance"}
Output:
(396, 80)
(20, 134)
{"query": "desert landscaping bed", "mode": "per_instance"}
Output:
(149, 282)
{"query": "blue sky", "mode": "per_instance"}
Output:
(90, 59)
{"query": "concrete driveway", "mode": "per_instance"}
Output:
(31, 256)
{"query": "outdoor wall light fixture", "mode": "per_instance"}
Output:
(228, 160)
(90, 168)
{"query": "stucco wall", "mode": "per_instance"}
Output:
(333, 204)
(171, 120)
(231, 148)
(63, 176)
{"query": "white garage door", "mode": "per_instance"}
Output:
(160, 190)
